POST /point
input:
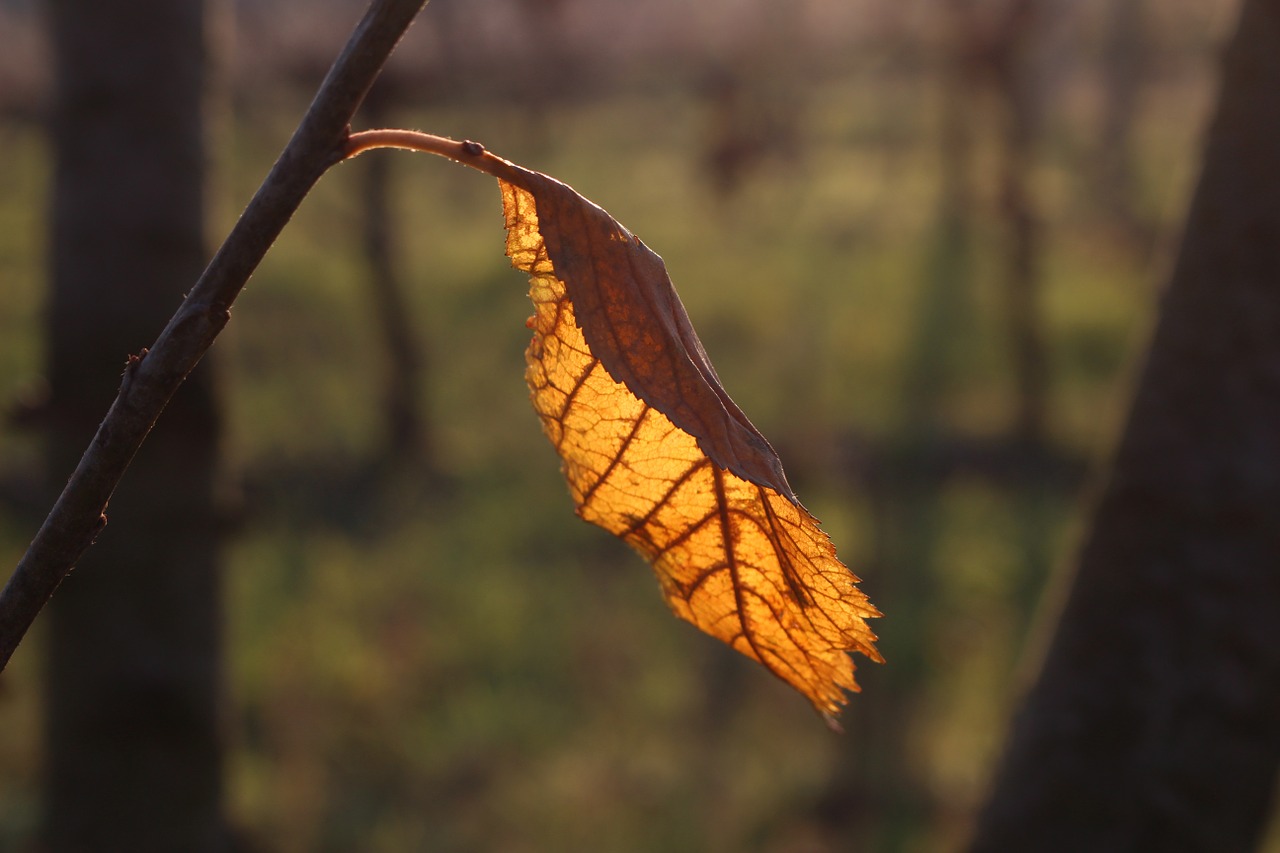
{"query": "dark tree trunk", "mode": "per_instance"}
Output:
(132, 730)
(1155, 721)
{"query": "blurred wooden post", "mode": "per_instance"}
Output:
(1153, 722)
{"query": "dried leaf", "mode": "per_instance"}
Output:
(654, 450)
(657, 453)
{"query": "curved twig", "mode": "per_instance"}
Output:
(151, 377)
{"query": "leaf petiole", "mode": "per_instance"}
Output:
(466, 152)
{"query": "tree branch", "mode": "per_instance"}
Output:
(152, 377)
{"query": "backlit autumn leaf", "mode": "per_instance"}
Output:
(655, 451)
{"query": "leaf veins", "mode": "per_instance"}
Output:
(653, 448)
(655, 451)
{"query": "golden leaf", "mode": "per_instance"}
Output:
(653, 448)
(656, 453)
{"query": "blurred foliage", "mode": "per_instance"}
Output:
(455, 662)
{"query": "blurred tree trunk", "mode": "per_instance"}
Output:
(876, 799)
(1012, 52)
(1155, 721)
(133, 669)
(408, 442)
(1123, 62)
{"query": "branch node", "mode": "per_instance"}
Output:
(131, 365)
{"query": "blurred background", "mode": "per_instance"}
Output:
(922, 243)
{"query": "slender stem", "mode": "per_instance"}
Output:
(151, 377)
(466, 152)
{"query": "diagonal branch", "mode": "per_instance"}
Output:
(151, 378)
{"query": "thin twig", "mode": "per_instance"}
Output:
(466, 152)
(151, 377)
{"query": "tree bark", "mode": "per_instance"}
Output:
(133, 667)
(1155, 720)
